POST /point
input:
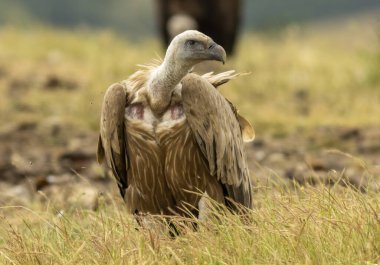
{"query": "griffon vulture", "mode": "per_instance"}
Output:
(170, 137)
(218, 19)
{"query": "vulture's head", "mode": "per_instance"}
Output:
(192, 47)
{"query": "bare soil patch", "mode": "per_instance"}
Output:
(51, 160)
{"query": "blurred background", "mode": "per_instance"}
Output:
(313, 92)
(138, 18)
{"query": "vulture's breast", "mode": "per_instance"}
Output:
(148, 139)
(165, 160)
(139, 113)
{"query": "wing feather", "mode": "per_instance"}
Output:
(219, 137)
(112, 141)
(219, 79)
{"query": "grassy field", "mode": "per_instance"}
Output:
(302, 226)
(301, 78)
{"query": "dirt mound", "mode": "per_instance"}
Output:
(329, 155)
(50, 157)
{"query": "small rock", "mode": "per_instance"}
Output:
(258, 142)
(53, 82)
(259, 155)
(349, 133)
(15, 194)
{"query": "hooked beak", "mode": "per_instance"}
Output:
(216, 52)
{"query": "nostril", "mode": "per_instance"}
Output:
(212, 45)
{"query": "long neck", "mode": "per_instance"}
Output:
(164, 80)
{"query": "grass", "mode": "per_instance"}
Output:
(312, 225)
(300, 78)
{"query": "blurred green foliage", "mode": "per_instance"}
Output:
(263, 14)
(137, 17)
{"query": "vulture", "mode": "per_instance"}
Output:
(171, 139)
(218, 19)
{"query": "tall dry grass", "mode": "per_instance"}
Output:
(304, 225)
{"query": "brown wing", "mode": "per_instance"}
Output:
(219, 79)
(112, 142)
(217, 132)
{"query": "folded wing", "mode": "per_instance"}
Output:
(216, 129)
(112, 141)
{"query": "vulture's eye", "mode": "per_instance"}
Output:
(190, 43)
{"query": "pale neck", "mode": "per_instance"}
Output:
(164, 80)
